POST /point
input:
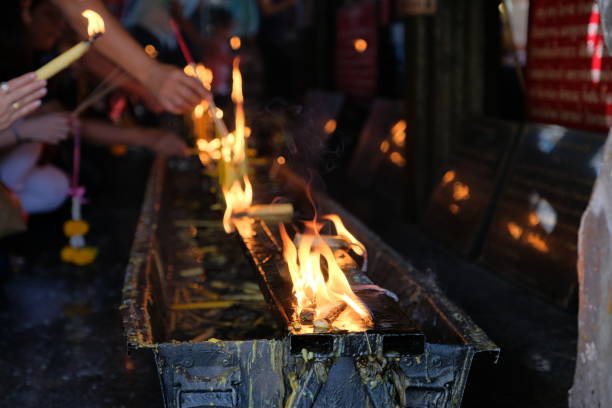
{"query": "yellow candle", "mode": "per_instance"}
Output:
(63, 61)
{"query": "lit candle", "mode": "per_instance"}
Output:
(95, 29)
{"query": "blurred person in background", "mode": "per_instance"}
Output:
(276, 35)
(214, 48)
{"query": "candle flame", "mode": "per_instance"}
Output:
(238, 198)
(317, 291)
(238, 98)
(205, 75)
(237, 189)
(95, 23)
(342, 231)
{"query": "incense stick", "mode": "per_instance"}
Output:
(111, 82)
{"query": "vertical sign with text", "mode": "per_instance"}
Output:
(568, 83)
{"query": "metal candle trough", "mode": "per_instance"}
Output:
(418, 354)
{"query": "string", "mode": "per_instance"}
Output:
(76, 190)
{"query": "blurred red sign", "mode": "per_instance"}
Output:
(568, 79)
(357, 50)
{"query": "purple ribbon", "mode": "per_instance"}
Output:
(75, 189)
(77, 192)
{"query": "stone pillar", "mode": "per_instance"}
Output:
(593, 377)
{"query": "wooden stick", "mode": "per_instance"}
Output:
(244, 298)
(219, 304)
(333, 241)
(332, 313)
(205, 291)
(268, 210)
(173, 314)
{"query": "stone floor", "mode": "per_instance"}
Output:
(61, 340)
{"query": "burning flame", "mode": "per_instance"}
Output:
(95, 23)
(209, 150)
(199, 71)
(239, 145)
(341, 230)
(235, 184)
(315, 295)
(237, 199)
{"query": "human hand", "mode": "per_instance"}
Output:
(167, 143)
(20, 97)
(50, 128)
(174, 90)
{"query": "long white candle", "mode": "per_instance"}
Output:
(95, 28)
(63, 61)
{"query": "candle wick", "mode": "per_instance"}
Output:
(94, 38)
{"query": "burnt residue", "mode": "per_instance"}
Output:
(236, 355)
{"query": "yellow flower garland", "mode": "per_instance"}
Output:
(75, 227)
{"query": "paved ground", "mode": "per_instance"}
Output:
(61, 340)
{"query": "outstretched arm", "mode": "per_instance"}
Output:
(174, 90)
(158, 140)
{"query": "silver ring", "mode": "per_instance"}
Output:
(4, 87)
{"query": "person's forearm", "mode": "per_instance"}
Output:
(103, 133)
(116, 44)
